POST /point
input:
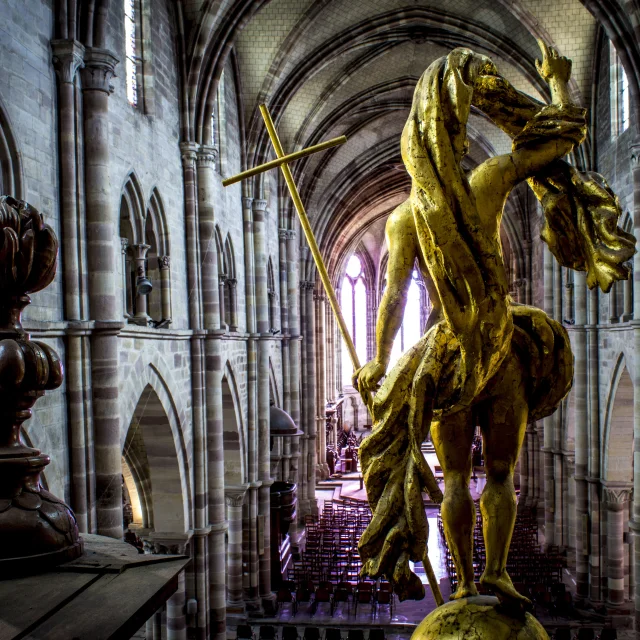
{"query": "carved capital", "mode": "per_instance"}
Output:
(234, 496)
(207, 156)
(188, 153)
(283, 234)
(291, 234)
(99, 68)
(164, 262)
(617, 495)
(232, 282)
(140, 250)
(68, 57)
(246, 202)
(222, 278)
(124, 245)
(259, 205)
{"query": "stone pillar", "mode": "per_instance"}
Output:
(284, 318)
(634, 524)
(232, 283)
(222, 283)
(613, 304)
(200, 543)
(593, 480)
(616, 499)
(101, 225)
(259, 208)
(164, 265)
(176, 620)
(234, 497)
(321, 383)
(205, 161)
(141, 316)
(312, 409)
(580, 391)
(549, 422)
(628, 297)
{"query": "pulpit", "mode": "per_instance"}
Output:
(284, 501)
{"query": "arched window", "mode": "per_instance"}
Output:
(414, 318)
(354, 309)
(131, 18)
(619, 94)
(273, 298)
(230, 289)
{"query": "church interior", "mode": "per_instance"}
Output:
(207, 409)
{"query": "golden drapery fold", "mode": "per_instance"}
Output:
(450, 366)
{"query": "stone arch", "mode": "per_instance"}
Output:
(233, 435)
(157, 375)
(149, 452)
(617, 462)
(10, 159)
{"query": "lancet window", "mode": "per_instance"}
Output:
(131, 29)
(619, 82)
(354, 309)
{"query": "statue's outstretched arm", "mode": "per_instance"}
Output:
(500, 174)
(403, 250)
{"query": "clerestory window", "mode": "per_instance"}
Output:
(619, 83)
(354, 309)
(131, 15)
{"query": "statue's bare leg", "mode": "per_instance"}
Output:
(452, 438)
(503, 420)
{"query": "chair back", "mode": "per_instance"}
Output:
(562, 633)
(284, 595)
(322, 595)
(376, 634)
(355, 634)
(332, 634)
(267, 632)
(586, 634)
(311, 633)
(609, 633)
(244, 632)
(289, 633)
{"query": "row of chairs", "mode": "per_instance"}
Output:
(565, 633)
(290, 632)
(362, 593)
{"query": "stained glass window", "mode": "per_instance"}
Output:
(619, 94)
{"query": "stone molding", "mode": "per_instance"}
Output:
(234, 496)
(206, 156)
(99, 69)
(246, 202)
(259, 205)
(616, 495)
(164, 262)
(188, 153)
(634, 150)
(68, 57)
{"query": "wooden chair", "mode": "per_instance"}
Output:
(245, 632)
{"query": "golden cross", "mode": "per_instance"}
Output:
(283, 161)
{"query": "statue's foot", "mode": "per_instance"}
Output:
(464, 590)
(502, 586)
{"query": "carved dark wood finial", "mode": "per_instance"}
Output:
(37, 530)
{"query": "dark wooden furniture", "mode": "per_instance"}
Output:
(106, 594)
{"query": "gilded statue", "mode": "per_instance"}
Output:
(483, 360)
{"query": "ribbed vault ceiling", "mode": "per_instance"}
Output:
(332, 67)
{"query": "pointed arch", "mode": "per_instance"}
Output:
(150, 453)
(158, 259)
(132, 210)
(11, 180)
(618, 438)
(234, 437)
(155, 374)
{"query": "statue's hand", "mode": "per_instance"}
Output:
(553, 66)
(366, 378)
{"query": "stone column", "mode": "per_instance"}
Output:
(593, 480)
(234, 497)
(222, 283)
(67, 59)
(200, 543)
(259, 208)
(321, 383)
(141, 316)
(101, 225)
(616, 499)
(126, 289)
(232, 283)
(176, 620)
(613, 304)
(312, 409)
(634, 524)
(284, 318)
(549, 422)
(628, 297)
(580, 391)
(164, 265)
